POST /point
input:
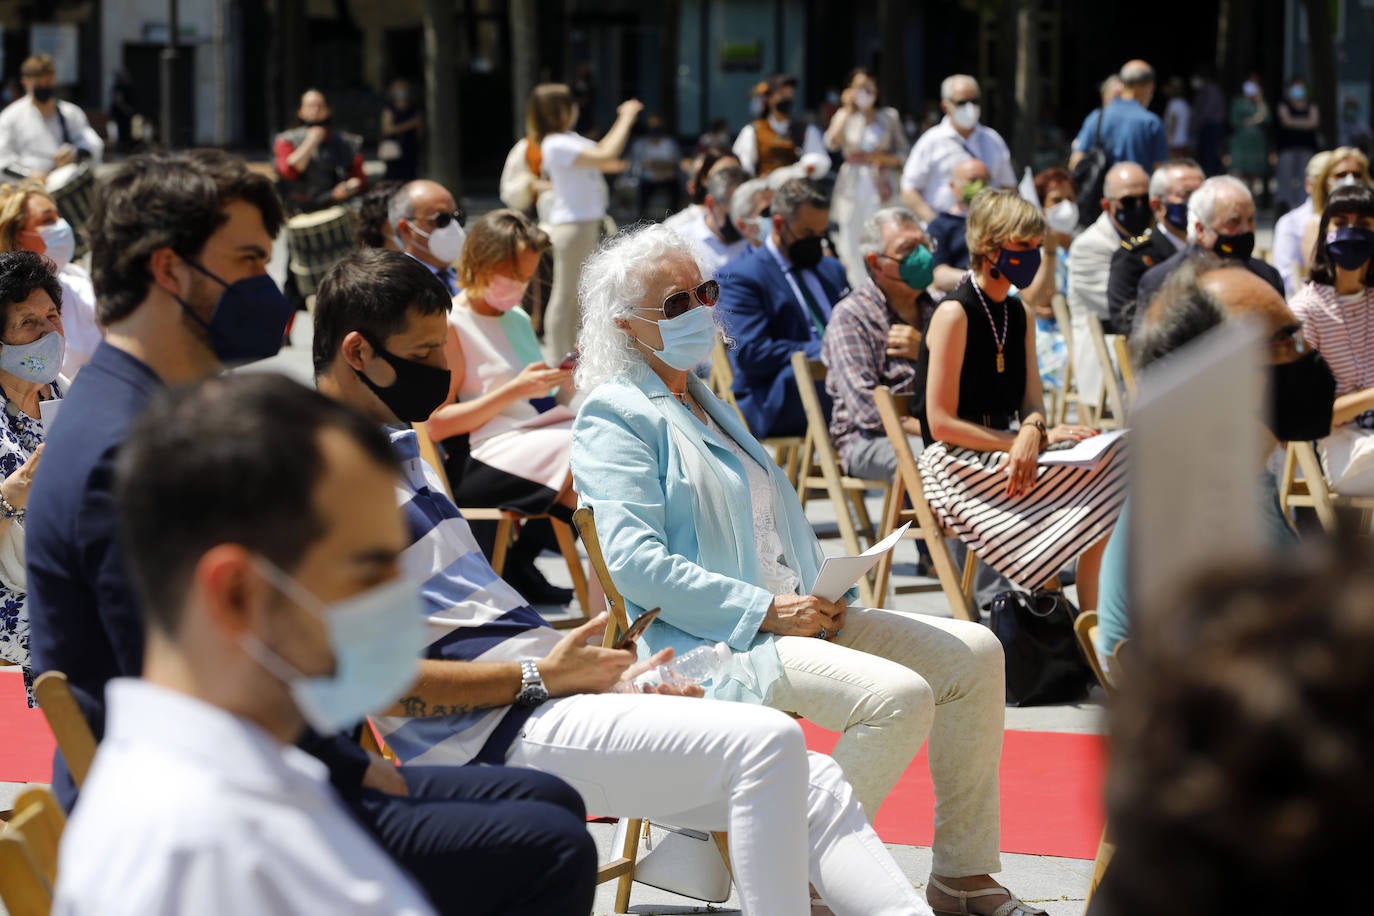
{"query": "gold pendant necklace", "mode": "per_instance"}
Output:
(1006, 323)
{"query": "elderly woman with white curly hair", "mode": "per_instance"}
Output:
(696, 519)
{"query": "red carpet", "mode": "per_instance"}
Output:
(26, 744)
(1051, 794)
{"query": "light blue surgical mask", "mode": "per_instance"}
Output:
(687, 339)
(376, 638)
(59, 242)
(37, 362)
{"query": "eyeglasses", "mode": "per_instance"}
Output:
(1134, 201)
(440, 220)
(971, 100)
(678, 304)
(1349, 173)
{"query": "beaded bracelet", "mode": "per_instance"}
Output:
(8, 511)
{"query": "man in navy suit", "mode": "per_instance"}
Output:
(777, 300)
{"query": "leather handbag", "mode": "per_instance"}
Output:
(678, 859)
(1044, 661)
(1090, 176)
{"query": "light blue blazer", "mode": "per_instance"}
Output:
(674, 543)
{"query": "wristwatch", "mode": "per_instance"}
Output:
(532, 689)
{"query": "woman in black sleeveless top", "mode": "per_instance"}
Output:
(985, 417)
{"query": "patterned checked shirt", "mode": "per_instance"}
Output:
(855, 354)
(473, 615)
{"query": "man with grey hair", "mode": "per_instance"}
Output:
(1129, 131)
(778, 300)
(748, 210)
(874, 338)
(959, 136)
(1125, 215)
(429, 227)
(1170, 187)
(711, 230)
(1221, 220)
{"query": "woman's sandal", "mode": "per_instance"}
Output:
(1013, 907)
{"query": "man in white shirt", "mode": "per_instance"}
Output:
(261, 528)
(1292, 264)
(717, 238)
(958, 136)
(774, 141)
(39, 133)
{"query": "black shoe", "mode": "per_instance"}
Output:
(523, 576)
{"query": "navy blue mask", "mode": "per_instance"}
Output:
(249, 320)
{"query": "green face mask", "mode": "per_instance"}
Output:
(917, 269)
(972, 188)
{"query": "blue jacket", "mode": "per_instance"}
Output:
(628, 466)
(762, 314)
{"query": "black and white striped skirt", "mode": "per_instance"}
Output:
(1031, 537)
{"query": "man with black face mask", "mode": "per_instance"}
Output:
(1170, 187)
(776, 300)
(39, 132)
(717, 238)
(777, 139)
(319, 166)
(1125, 215)
(1221, 221)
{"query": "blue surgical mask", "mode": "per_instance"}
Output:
(376, 638)
(1019, 266)
(687, 339)
(37, 362)
(248, 321)
(59, 242)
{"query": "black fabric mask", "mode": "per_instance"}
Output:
(1237, 247)
(1135, 218)
(783, 107)
(418, 391)
(804, 254)
(42, 93)
(1302, 396)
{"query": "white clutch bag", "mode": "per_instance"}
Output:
(678, 859)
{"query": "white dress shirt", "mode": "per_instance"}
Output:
(941, 148)
(1288, 257)
(190, 809)
(746, 147)
(30, 140)
(712, 252)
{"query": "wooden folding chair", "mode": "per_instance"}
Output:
(958, 587)
(1085, 628)
(1121, 346)
(505, 531)
(1111, 398)
(820, 471)
(786, 449)
(623, 866)
(74, 736)
(1069, 390)
(28, 853)
(1311, 490)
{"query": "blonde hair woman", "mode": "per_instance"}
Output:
(984, 416)
(576, 207)
(1346, 167)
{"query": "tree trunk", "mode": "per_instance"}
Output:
(1321, 53)
(670, 12)
(524, 59)
(441, 95)
(892, 65)
(1027, 88)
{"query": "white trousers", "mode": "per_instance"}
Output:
(886, 682)
(725, 766)
(573, 243)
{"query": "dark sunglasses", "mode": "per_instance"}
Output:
(1134, 202)
(677, 305)
(440, 220)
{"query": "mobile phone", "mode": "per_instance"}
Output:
(639, 626)
(569, 361)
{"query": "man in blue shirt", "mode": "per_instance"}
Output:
(1130, 131)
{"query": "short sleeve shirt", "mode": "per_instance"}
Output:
(941, 148)
(579, 193)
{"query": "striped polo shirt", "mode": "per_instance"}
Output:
(473, 615)
(1342, 328)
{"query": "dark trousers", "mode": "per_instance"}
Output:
(488, 839)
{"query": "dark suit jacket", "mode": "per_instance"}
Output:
(1129, 264)
(83, 612)
(1154, 277)
(768, 324)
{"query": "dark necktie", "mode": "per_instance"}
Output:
(813, 308)
(449, 278)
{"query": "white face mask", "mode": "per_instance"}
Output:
(59, 241)
(1062, 217)
(1349, 181)
(965, 116)
(446, 244)
(864, 99)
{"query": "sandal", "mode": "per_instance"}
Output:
(1013, 907)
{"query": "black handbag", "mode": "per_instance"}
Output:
(1090, 176)
(1044, 661)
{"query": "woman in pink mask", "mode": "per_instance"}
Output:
(506, 434)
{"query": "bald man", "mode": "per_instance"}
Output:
(948, 230)
(1125, 215)
(319, 166)
(429, 227)
(1130, 131)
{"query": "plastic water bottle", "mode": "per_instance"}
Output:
(692, 669)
